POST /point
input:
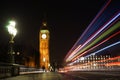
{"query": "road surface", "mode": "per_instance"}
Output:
(67, 76)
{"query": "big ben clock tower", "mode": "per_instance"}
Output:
(44, 46)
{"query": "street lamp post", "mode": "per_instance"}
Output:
(12, 31)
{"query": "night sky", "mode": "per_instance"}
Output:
(66, 20)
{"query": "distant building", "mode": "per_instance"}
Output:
(30, 62)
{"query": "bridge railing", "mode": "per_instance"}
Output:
(27, 70)
(7, 70)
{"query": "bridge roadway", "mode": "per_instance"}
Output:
(67, 76)
(40, 76)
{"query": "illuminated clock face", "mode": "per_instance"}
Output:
(44, 36)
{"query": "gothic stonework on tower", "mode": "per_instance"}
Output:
(44, 36)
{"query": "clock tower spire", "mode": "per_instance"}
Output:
(44, 37)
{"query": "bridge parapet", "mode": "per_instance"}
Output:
(7, 70)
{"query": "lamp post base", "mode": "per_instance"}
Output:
(11, 59)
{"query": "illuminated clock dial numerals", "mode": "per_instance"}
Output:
(44, 36)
